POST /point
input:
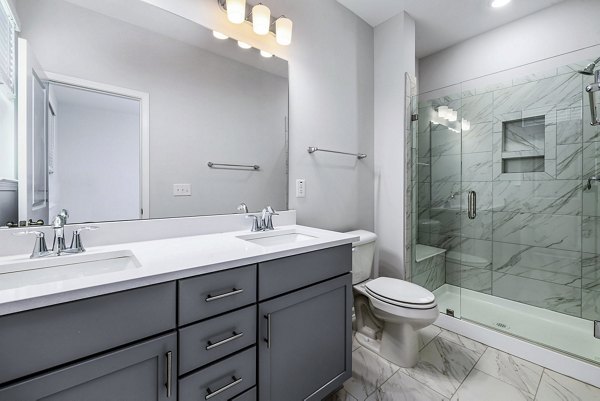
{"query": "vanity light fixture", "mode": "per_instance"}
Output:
(261, 19)
(499, 3)
(236, 11)
(443, 112)
(453, 116)
(244, 45)
(220, 36)
(283, 31)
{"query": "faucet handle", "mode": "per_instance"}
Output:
(255, 223)
(272, 211)
(40, 248)
(76, 244)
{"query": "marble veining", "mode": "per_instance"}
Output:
(517, 372)
(442, 366)
(369, 372)
(556, 387)
(496, 376)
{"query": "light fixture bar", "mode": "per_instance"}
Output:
(273, 20)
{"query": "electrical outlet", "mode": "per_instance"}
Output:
(300, 188)
(182, 189)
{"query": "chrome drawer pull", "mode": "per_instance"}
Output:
(212, 394)
(235, 336)
(169, 373)
(211, 298)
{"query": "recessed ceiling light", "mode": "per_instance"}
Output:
(219, 35)
(266, 54)
(499, 3)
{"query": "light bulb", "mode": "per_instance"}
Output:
(265, 54)
(261, 19)
(499, 3)
(283, 31)
(453, 116)
(236, 11)
(244, 45)
(219, 35)
(443, 112)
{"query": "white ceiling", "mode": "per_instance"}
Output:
(443, 23)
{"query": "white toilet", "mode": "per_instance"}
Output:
(388, 311)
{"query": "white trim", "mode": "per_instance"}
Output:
(144, 98)
(553, 360)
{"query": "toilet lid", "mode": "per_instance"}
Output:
(401, 291)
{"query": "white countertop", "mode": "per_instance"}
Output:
(159, 261)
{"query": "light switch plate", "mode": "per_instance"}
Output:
(182, 189)
(300, 188)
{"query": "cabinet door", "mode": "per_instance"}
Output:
(305, 342)
(142, 372)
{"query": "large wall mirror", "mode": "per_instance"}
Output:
(125, 111)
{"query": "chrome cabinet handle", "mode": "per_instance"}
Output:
(268, 339)
(169, 372)
(211, 298)
(210, 345)
(212, 394)
(472, 205)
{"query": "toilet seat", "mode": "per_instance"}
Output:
(400, 293)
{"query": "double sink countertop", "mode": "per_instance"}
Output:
(34, 283)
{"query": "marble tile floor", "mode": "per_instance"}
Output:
(455, 368)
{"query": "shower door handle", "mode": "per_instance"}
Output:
(472, 205)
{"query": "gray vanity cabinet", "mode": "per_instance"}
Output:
(305, 341)
(141, 372)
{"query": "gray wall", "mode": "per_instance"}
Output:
(563, 28)
(8, 202)
(202, 109)
(331, 103)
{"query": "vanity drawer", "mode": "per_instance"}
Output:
(44, 338)
(249, 395)
(221, 381)
(279, 276)
(211, 294)
(215, 338)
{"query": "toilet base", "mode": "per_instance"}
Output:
(399, 344)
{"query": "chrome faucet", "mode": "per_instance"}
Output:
(39, 249)
(242, 208)
(58, 224)
(267, 218)
(264, 221)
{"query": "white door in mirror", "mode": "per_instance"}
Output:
(182, 189)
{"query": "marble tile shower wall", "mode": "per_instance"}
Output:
(536, 235)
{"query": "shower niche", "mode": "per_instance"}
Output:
(523, 143)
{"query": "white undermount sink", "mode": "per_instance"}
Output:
(276, 237)
(26, 272)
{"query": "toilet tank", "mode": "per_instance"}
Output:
(363, 255)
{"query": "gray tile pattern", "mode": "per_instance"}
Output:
(455, 368)
(542, 224)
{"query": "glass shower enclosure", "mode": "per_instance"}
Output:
(506, 210)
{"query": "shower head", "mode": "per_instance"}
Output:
(589, 69)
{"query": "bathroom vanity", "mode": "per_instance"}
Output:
(276, 329)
